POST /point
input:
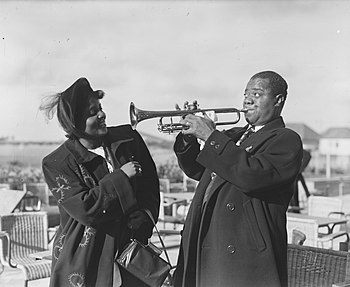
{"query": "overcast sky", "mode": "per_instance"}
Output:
(158, 53)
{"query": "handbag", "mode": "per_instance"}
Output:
(144, 261)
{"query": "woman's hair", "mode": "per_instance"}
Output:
(70, 107)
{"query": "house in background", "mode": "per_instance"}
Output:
(329, 169)
(334, 151)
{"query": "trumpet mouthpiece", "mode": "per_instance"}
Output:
(244, 110)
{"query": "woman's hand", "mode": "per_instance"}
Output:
(132, 168)
(136, 219)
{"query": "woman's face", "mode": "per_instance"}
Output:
(95, 123)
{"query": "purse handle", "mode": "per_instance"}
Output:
(160, 238)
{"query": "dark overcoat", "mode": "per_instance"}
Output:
(93, 205)
(238, 237)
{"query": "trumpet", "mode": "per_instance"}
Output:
(138, 115)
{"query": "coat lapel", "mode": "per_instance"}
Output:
(251, 144)
(217, 182)
(85, 157)
(120, 138)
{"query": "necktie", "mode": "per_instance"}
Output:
(246, 134)
(209, 187)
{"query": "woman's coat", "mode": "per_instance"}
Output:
(93, 205)
(238, 237)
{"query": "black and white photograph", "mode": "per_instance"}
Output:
(213, 137)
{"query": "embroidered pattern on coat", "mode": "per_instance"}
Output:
(59, 246)
(107, 198)
(87, 178)
(76, 280)
(89, 232)
(62, 187)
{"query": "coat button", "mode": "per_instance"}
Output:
(217, 146)
(230, 206)
(231, 249)
(212, 143)
(103, 211)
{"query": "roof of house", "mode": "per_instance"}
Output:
(340, 132)
(307, 134)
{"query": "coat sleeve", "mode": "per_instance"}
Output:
(148, 184)
(276, 162)
(186, 153)
(90, 204)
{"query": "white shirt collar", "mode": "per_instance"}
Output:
(256, 128)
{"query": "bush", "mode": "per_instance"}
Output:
(15, 174)
(171, 171)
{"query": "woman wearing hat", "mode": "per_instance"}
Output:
(102, 178)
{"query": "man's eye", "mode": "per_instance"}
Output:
(255, 95)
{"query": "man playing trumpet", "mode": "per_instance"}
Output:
(235, 230)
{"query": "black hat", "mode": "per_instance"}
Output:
(77, 98)
(74, 104)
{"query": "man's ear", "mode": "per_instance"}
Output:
(279, 100)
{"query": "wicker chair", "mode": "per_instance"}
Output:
(22, 234)
(317, 267)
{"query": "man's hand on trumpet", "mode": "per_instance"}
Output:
(200, 127)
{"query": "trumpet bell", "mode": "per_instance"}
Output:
(133, 115)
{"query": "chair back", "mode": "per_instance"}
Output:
(323, 205)
(164, 185)
(39, 189)
(27, 231)
(30, 203)
(161, 207)
(316, 267)
(5, 186)
(10, 198)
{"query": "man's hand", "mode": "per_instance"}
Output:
(200, 127)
